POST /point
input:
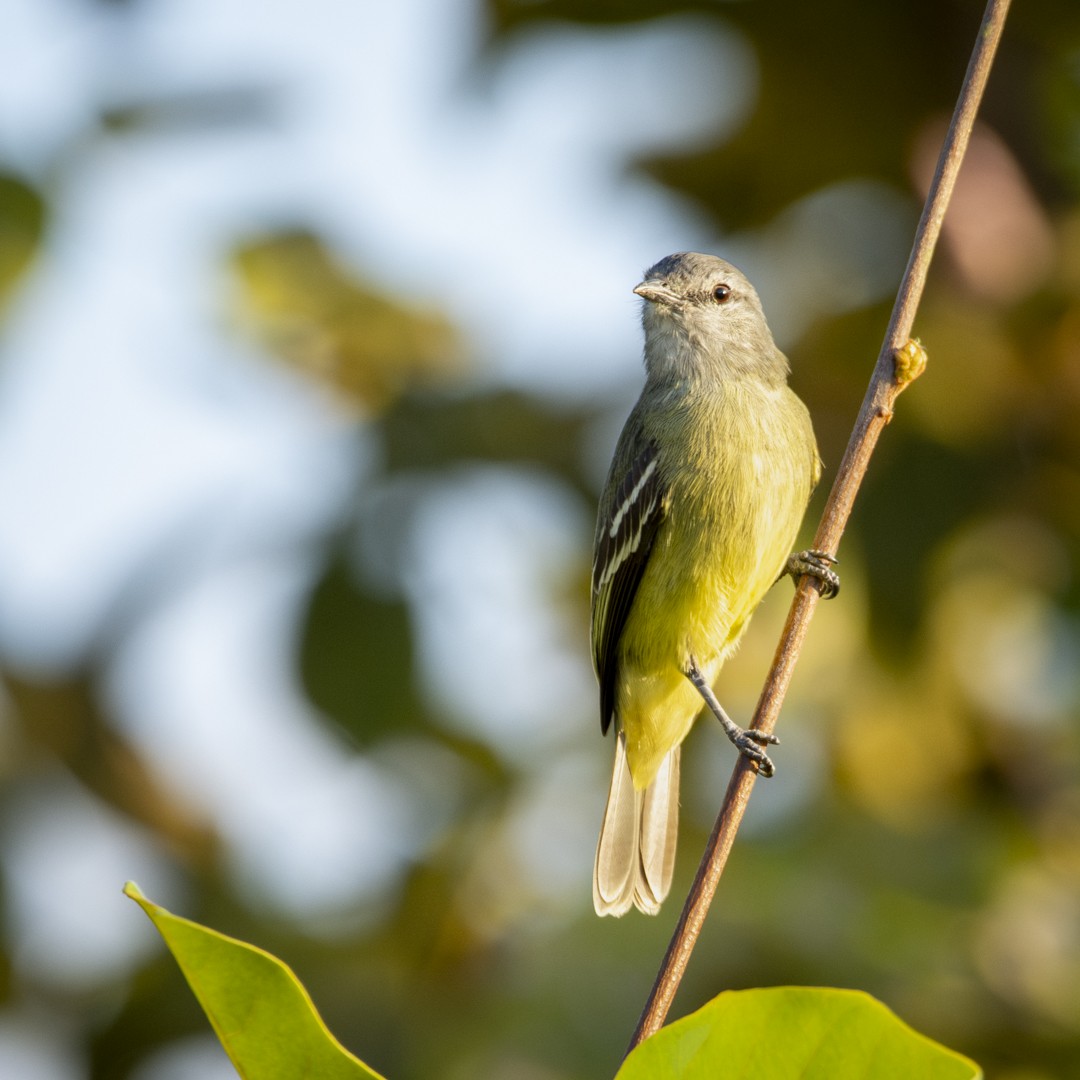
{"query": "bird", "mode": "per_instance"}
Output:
(703, 502)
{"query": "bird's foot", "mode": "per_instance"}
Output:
(749, 741)
(818, 565)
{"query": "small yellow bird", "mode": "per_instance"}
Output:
(703, 501)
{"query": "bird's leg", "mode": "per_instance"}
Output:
(816, 564)
(746, 740)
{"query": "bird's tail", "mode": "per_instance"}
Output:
(636, 853)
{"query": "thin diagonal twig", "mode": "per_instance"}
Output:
(895, 368)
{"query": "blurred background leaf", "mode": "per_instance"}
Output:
(306, 308)
(22, 223)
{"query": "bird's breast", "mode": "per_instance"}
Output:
(736, 499)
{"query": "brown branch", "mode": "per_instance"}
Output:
(897, 364)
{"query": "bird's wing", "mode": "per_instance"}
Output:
(628, 524)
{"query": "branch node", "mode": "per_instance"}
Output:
(909, 362)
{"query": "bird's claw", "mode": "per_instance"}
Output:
(762, 738)
(749, 744)
(817, 565)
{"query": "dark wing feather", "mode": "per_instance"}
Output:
(625, 533)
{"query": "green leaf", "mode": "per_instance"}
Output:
(793, 1031)
(259, 1010)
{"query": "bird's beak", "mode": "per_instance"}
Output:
(656, 293)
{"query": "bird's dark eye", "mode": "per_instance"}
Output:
(721, 293)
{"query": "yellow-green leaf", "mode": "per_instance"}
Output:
(261, 1013)
(788, 1032)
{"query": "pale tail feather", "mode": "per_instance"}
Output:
(614, 874)
(636, 852)
(659, 833)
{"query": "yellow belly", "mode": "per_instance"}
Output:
(699, 618)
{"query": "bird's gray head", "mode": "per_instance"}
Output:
(703, 318)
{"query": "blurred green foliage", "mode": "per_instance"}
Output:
(935, 861)
(305, 307)
(22, 224)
